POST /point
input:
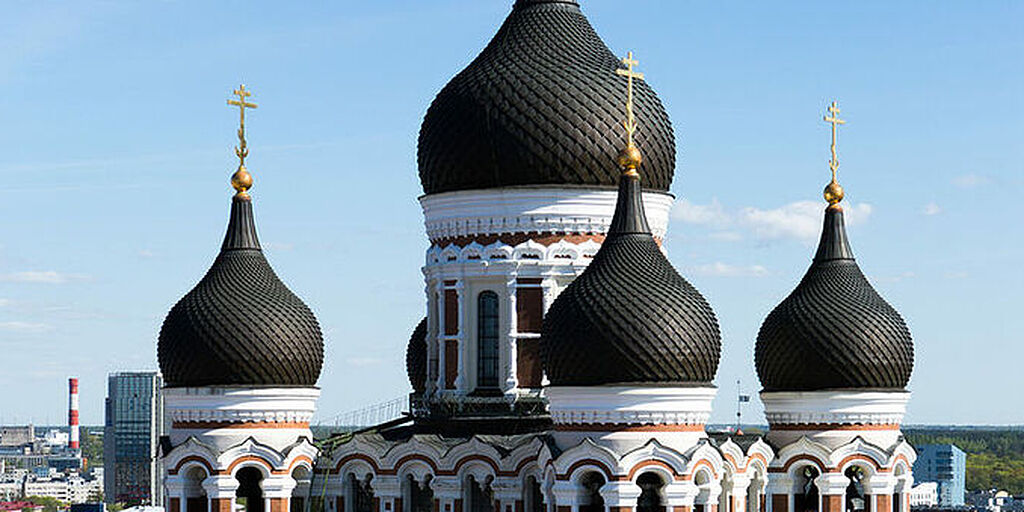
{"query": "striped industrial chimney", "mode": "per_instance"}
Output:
(73, 413)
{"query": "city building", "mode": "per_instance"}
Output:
(924, 494)
(563, 364)
(132, 430)
(945, 464)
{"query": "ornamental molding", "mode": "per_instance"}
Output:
(240, 405)
(835, 407)
(532, 210)
(621, 405)
(562, 253)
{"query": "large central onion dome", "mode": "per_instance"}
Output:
(630, 317)
(834, 331)
(240, 325)
(540, 105)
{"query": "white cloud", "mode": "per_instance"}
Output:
(931, 209)
(971, 180)
(5, 302)
(28, 327)
(719, 269)
(711, 214)
(146, 253)
(799, 220)
(40, 276)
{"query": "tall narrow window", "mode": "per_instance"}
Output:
(487, 340)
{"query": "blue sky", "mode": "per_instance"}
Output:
(115, 153)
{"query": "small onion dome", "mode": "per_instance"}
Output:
(834, 331)
(540, 105)
(630, 317)
(240, 326)
(416, 358)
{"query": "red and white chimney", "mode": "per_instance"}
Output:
(73, 413)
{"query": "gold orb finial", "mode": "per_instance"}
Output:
(833, 193)
(629, 159)
(241, 180)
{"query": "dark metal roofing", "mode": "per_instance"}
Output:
(630, 317)
(834, 331)
(541, 104)
(240, 325)
(416, 358)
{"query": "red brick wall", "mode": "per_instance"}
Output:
(529, 369)
(832, 503)
(529, 309)
(451, 312)
(883, 503)
(451, 363)
(681, 509)
(221, 504)
(174, 505)
(780, 503)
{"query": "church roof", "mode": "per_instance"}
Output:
(834, 331)
(240, 325)
(630, 317)
(416, 358)
(540, 105)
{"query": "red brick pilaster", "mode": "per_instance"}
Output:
(780, 503)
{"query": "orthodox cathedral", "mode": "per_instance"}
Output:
(562, 364)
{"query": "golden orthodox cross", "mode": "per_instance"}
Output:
(630, 122)
(833, 118)
(241, 150)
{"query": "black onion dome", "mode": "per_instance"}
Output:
(416, 358)
(630, 317)
(240, 325)
(834, 331)
(540, 105)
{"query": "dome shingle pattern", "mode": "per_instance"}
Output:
(240, 325)
(416, 358)
(541, 104)
(834, 331)
(630, 317)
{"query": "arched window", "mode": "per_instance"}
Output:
(419, 497)
(755, 493)
(533, 495)
(195, 494)
(806, 499)
(479, 495)
(250, 493)
(650, 499)
(590, 492)
(360, 493)
(487, 340)
(855, 499)
(301, 493)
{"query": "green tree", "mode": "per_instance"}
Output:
(49, 503)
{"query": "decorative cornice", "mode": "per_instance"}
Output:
(825, 408)
(659, 407)
(218, 406)
(454, 215)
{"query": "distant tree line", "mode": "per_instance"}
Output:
(995, 458)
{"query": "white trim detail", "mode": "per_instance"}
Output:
(835, 407)
(630, 405)
(241, 405)
(498, 211)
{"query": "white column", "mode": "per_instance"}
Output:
(510, 351)
(620, 494)
(277, 486)
(506, 491)
(174, 486)
(446, 491)
(442, 365)
(220, 487)
(566, 493)
(461, 382)
(388, 488)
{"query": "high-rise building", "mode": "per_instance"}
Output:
(134, 424)
(946, 465)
